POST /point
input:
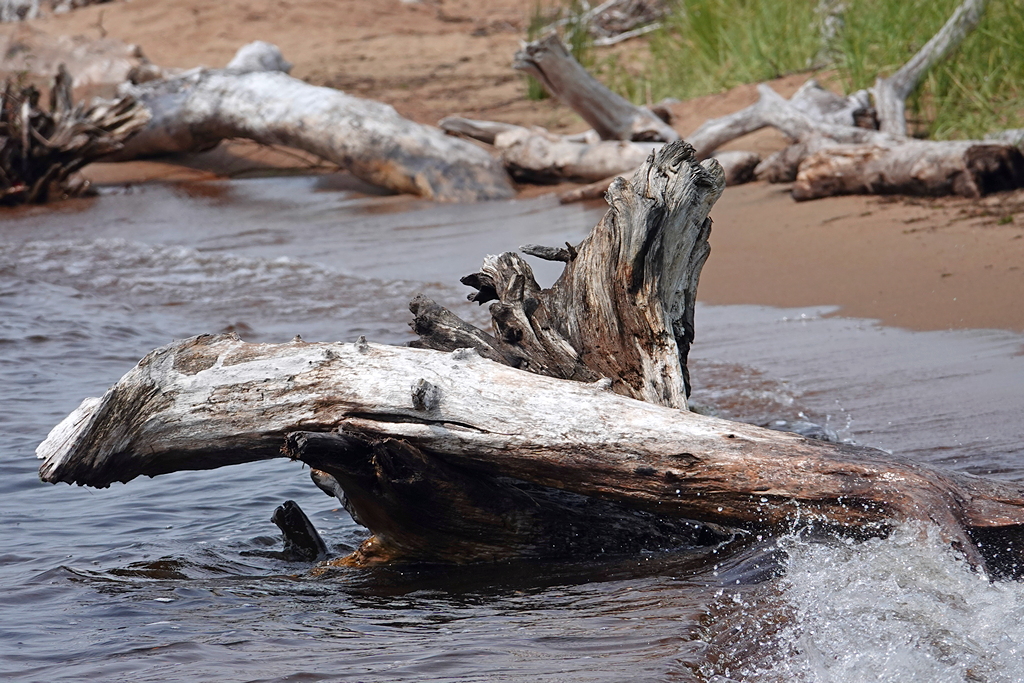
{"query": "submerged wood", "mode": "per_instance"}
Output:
(302, 542)
(40, 149)
(613, 117)
(198, 109)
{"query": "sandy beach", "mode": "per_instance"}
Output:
(910, 262)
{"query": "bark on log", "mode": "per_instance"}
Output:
(198, 109)
(610, 115)
(968, 168)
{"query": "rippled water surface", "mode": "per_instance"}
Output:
(176, 578)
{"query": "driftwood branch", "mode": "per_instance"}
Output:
(611, 116)
(198, 109)
(891, 93)
(535, 155)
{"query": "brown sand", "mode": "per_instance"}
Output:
(923, 264)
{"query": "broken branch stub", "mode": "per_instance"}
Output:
(623, 307)
(613, 117)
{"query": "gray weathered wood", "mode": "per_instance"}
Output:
(891, 93)
(198, 109)
(215, 400)
(611, 116)
(623, 308)
(968, 168)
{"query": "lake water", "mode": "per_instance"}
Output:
(174, 578)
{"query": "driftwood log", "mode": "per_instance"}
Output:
(254, 98)
(461, 456)
(40, 149)
(535, 155)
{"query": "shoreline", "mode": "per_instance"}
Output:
(917, 263)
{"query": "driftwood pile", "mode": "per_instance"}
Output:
(40, 149)
(839, 145)
(562, 431)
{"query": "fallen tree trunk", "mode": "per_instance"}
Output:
(967, 168)
(198, 109)
(611, 116)
(461, 456)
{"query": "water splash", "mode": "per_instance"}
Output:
(901, 609)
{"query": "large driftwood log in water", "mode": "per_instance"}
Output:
(215, 400)
(198, 109)
(453, 456)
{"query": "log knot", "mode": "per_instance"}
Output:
(425, 396)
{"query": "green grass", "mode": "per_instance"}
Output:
(708, 46)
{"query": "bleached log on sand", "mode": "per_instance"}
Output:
(198, 109)
(613, 117)
(968, 168)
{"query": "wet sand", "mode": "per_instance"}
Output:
(921, 264)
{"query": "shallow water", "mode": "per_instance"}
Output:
(174, 578)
